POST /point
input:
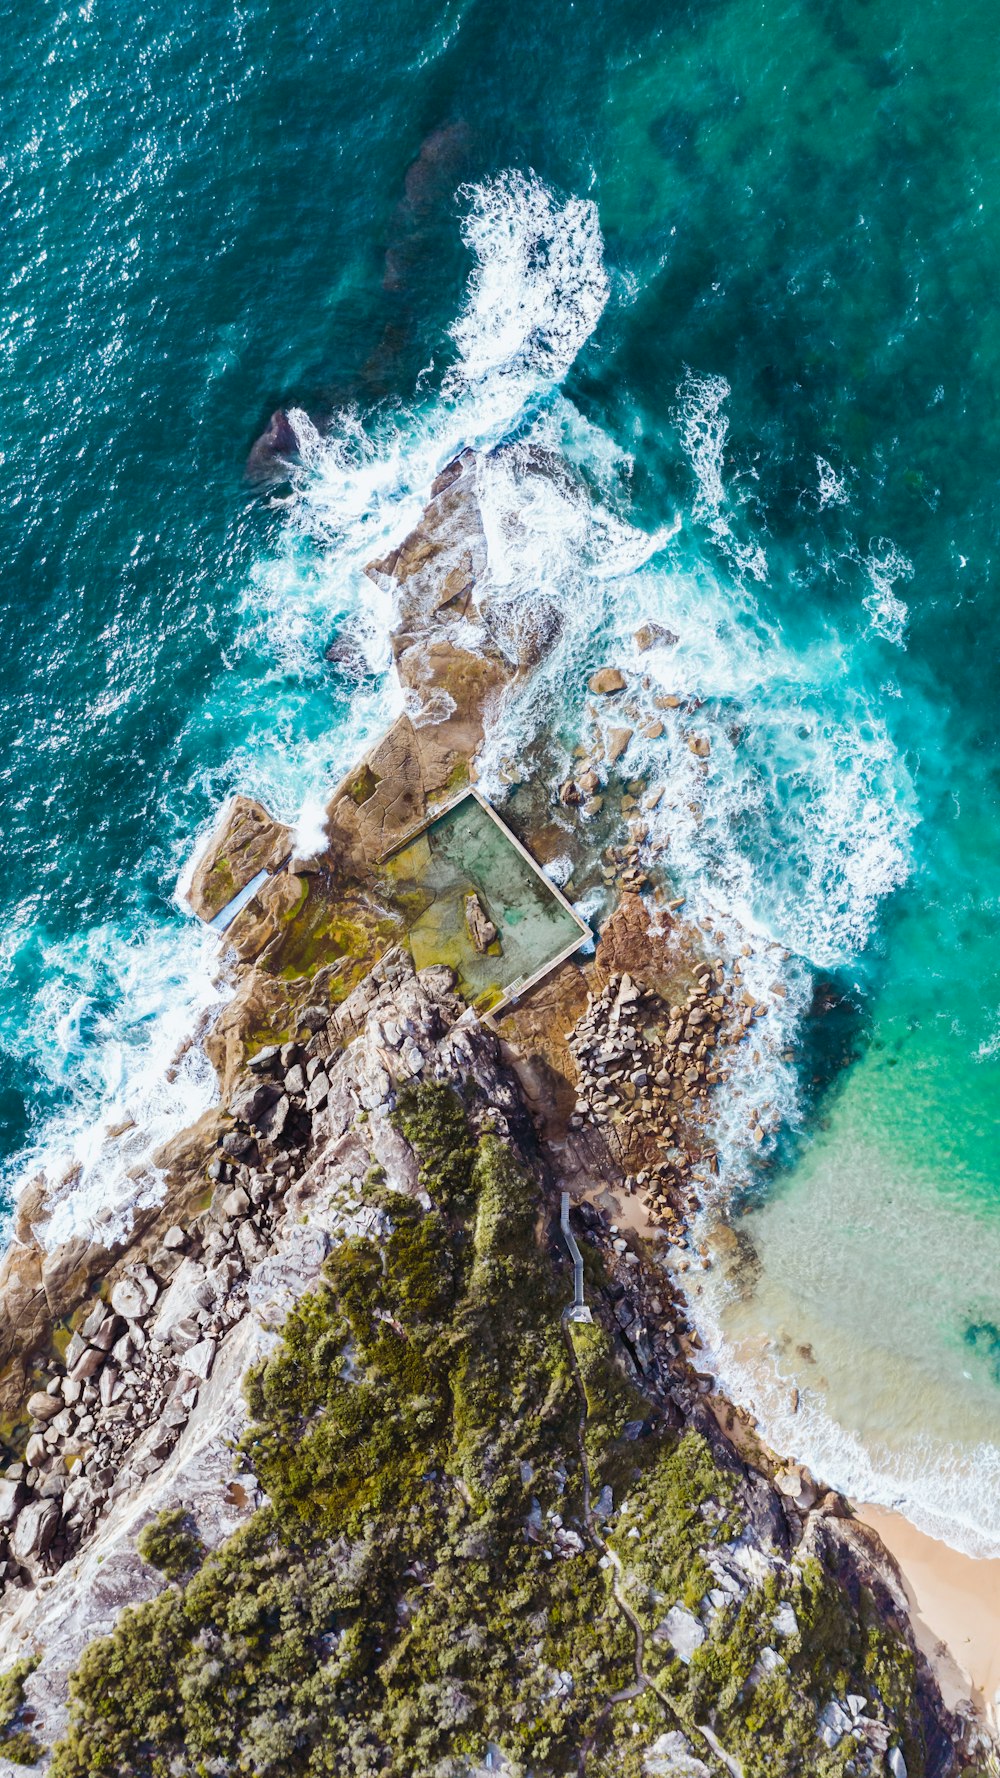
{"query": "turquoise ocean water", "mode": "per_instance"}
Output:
(718, 282)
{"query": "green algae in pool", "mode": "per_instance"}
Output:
(468, 850)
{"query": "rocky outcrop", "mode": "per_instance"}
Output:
(246, 840)
(388, 795)
(482, 931)
(602, 1078)
(274, 452)
(142, 1412)
(446, 659)
(42, 1286)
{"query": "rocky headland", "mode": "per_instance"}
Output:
(306, 1469)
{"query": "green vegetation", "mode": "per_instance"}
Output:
(16, 1743)
(170, 1543)
(364, 785)
(219, 886)
(422, 1581)
(330, 924)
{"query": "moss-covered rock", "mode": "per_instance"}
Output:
(16, 1741)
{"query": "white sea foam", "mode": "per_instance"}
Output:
(538, 288)
(832, 490)
(886, 566)
(990, 1045)
(122, 1012)
(310, 835)
(703, 425)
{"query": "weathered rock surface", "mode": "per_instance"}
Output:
(482, 931)
(606, 681)
(247, 840)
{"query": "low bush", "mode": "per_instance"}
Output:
(170, 1543)
(422, 1581)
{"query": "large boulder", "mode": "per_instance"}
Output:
(34, 1529)
(11, 1494)
(191, 1291)
(606, 681)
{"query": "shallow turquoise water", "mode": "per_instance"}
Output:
(787, 339)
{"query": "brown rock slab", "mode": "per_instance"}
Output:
(653, 635)
(617, 744)
(247, 841)
(482, 931)
(606, 681)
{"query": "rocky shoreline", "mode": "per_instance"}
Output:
(120, 1365)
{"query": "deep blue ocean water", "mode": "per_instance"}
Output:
(735, 266)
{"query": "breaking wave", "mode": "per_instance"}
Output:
(539, 285)
(789, 835)
(786, 834)
(126, 1006)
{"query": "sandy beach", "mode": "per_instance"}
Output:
(955, 1600)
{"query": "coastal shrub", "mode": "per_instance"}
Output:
(432, 1119)
(170, 1543)
(612, 1401)
(16, 1743)
(422, 1580)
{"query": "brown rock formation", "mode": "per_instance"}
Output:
(40, 1288)
(247, 841)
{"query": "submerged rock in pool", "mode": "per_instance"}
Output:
(482, 931)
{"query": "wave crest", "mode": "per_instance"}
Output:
(538, 288)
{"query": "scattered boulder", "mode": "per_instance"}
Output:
(682, 1630)
(129, 1300)
(254, 1100)
(606, 681)
(235, 1203)
(42, 1406)
(797, 1486)
(319, 1088)
(653, 635)
(34, 1529)
(272, 1123)
(10, 1498)
(89, 1363)
(266, 1060)
(670, 1756)
(190, 1292)
(617, 744)
(198, 1359)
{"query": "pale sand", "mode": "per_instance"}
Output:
(955, 1601)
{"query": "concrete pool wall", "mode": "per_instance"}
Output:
(466, 849)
